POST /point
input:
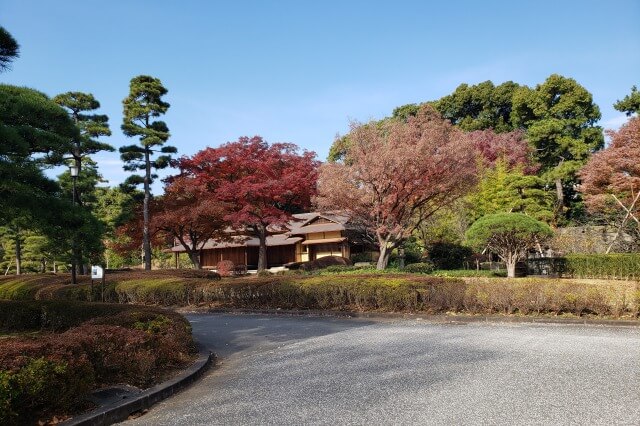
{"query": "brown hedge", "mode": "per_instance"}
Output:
(367, 291)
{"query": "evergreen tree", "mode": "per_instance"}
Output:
(35, 133)
(143, 104)
(505, 190)
(559, 117)
(630, 104)
(91, 127)
(9, 49)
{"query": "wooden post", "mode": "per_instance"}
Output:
(104, 277)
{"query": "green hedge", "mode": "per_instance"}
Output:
(400, 292)
(420, 268)
(617, 266)
(625, 266)
(55, 315)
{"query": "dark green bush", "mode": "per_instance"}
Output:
(51, 315)
(449, 255)
(42, 385)
(420, 268)
(324, 262)
(335, 269)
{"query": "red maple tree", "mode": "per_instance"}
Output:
(611, 178)
(398, 175)
(189, 214)
(511, 147)
(261, 184)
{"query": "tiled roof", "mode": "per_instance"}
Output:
(320, 227)
(272, 241)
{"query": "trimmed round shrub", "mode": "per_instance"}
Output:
(420, 268)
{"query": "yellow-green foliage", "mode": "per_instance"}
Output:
(40, 384)
(166, 291)
(535, 296)
(20, 288)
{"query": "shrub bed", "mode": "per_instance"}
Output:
(365, 289)
(616, 266)
(93, 345)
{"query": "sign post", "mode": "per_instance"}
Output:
(97, 273)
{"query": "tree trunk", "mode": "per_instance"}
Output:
(146, 243)
(262, 250)
(383, 260)
(560, 198)
(194, 255)
(511, 266)
(18, 254)
(78, 164)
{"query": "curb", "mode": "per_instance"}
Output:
(443, 318)
(120, 410)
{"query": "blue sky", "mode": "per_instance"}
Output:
(299, 71)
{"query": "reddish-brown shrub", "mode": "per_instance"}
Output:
(51, 373)
(225, 268)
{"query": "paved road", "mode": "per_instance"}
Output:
(292, 370)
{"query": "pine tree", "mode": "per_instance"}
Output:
(143, 104)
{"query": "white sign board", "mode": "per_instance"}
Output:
(96, 272)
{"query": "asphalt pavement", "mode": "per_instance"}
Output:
(330, 371)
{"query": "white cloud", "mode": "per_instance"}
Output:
(615, 122)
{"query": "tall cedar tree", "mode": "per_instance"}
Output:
(399, 174)
(190, 214)
(611, 178)
(143, 104)
(559, 117)
(262, 184)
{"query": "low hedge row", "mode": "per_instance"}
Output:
(615, 266)
(396, 292)
(625, 266)
(382, 292)
(93, 345)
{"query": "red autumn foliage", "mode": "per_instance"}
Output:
(261, 184)
(225, 268)
(611, 178)
(510, 146)
(190, 214)
(52, 373)
(399, 174)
